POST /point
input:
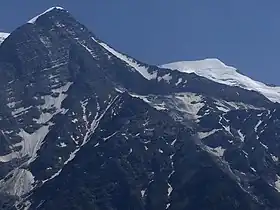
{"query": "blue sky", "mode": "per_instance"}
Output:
(242, 33)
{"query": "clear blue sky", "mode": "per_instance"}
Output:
(242, 33)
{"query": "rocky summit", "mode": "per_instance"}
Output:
(85, 127)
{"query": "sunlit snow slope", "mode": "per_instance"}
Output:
(3, 36)
(217, 71)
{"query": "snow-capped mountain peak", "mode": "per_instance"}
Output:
(217, 71)
(80, 120)
(3, 36)
(33, 20)
(193, 66)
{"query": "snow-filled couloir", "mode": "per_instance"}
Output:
(217, 71)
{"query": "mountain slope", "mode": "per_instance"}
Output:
(86, 127)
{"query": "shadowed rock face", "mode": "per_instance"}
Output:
(83, 127)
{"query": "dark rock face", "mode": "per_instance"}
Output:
(83, 129)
